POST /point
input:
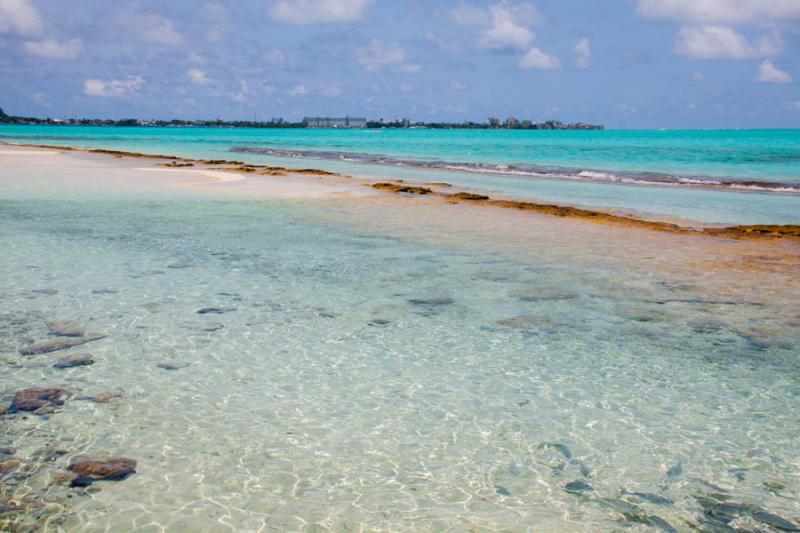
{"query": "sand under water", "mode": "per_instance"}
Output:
(303, 352)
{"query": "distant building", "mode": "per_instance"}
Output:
(330, 122)
(494, 122)
(512, 122)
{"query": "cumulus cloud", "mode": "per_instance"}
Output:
(150, 27)
(126, 87)
(378, 55)
(506, 30)
(503, 25)
(583, 52)
(720, 11)
(197, 76)
(318, 11)
(769, 73)
(53, 49)
(722, 42)
(536, 59)
(20, 17)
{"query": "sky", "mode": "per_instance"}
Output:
(621, 63)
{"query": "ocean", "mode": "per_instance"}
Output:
(716, 177)
(389, 364)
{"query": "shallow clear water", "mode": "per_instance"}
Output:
(384, 378)
(704, 156)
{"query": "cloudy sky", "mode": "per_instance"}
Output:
(624, 63)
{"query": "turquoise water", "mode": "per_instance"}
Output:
(391, 367)
(655, 173)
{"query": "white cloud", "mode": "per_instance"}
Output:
(298, 90)
(126, 87)
(506, 30)
(722, 42)
(274, 56)
(769, 73)
(583, 52)
(52, 49)
(197, 76)
(330, 90)
(20, 17)
(468, 15)
(622, 107)
(378, 55)
(150, 27)
(720, 11)
(536, 59)
(699, 76)
(318, 11)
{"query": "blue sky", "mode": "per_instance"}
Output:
(623, 63)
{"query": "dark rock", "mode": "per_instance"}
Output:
(675, 471)
(78, 359)
(432, 302)
(60, 344)
(631, 512)
(113, 469)
(774, 520)
(560, 447)
(660, 523)
(649, 497)
(37, 398)
(502, 491)
(7, 450)
(216, 326)
(578, 487)
(105, 291)
(65, 329)
(167, 365)
(468, 196)
(215, 310)
(379, 322)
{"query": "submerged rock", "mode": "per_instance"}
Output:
(565, 451)
(112, 469)
(6, 467)
(432, 302)
(216, 326)
(78, 359)
(7, 450)
(502, 491)
(65, 329)
(169, 365)
(578, 487)
(215, 310)
(649, 497)
(60, 344)
(660, 523)
(37, 398)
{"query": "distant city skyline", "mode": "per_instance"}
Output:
(625, 64)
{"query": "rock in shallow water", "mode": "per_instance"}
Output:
(78, 359)
(215, 310)
(60, 344)
(38, 398)
(169, 365)
(112, 469)
(65, 329)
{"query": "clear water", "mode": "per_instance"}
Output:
(330, 401)
(653, 165)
